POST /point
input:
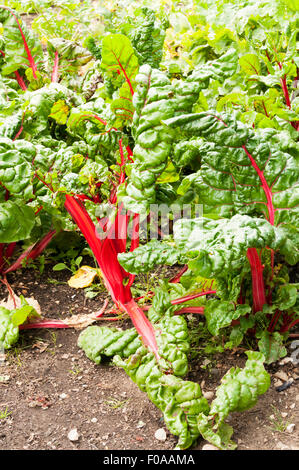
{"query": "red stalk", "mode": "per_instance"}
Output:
(285, 91)
(265, 186)
(10, 249)
(178, 276)
(26, 47)
(125, 74)
(54, 76)
(20, 81)
(134, 242)
(198, 310)
(95, 117)
(113, 274)
(142, 325)
(32, 252)
(258, 288)
(187, 298)
(1, 256)
(46, 323)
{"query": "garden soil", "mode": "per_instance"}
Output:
(48, 388)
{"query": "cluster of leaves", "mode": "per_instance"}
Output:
(173, 109)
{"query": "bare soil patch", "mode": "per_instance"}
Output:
(50, 388)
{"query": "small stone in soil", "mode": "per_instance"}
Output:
(160, 434)
(208, 395)
(94, 420)
(73, 435)
(281, 375)
(290, 427)
(209, 447)
(140, 424)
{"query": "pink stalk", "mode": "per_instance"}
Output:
(178, 276)
(125, 74)
(20, 81)
(32, 252)
(265, 186)
(134, 242)
(26, 47)
(142, 325)
(54, 76)
(289, 326)
(187, 298)
(258, 288)
(1, 256)
(95, 117)
(46, 323)
(198, 310)
(10, 249)
(105, 253)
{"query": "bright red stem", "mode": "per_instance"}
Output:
(285, 91)
(265, 186)
(104, 251)
(125, 74)
(181, 300)
(32, 252)
(20, 81)
(1, 256)
(122, 176)
(134, 242)
(47, 323)
(258, 288)
(198, 310)
(178, 276)
(26, 47)
(10, 249)
(142, 325)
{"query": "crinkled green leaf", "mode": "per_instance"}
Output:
(239, 391)
(15, 36)
(16, 221)
(144, 258)
(271, 346)
(222, 244)
(157, 99)
(242, 170)
(9, 333)
(220, 314)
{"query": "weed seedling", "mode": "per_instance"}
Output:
(4, 414)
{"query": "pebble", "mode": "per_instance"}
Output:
(63, 396)
(208, 395)
(160, 434)
(290, 427)
(73, 435)
(65, 356)
(4, 378)
(277, 383)
(292, 406)
(281, 375)
(285, 360)
(209, 447)
(94, 420)
(140, 424)
(284, 415)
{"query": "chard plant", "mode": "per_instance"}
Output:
(93, 134)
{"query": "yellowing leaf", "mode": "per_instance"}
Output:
(84, 277)
(60, 112)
